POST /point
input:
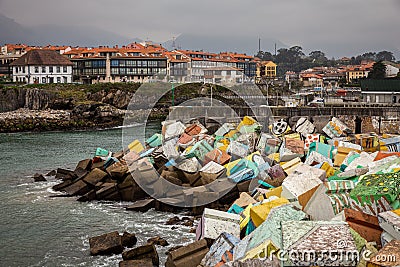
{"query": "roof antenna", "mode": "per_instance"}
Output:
(259, 44)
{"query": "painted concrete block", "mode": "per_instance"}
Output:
(225, 242)
(303, 179)
(214, 222)
(390, 222)
(305, 243)
(329, 200)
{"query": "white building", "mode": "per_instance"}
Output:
(223, 75)
(392, 69)
(42, 66)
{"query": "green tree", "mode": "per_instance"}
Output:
(378, 71)
(385, 56)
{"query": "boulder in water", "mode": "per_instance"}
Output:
(39, 177)
(107, 244)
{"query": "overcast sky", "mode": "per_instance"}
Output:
(334, 26)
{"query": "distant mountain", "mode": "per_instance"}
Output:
(220, 44)
(12, 32)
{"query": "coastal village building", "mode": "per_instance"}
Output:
(380, 91)
(42, 66)
(201, 61)
(392, 69)
(133, 63)
(266, 70)
(10, 53)
(136, 62)
(356, 72)
(223, 75)
(327, 77)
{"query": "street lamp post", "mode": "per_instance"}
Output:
(173, 93)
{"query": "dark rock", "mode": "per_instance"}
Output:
(172, 249)
(172, 221)
(157, 240)
(161, 205)
(187, 256)
(98, 165)
(108, 192)
(89, 196)
(106, 244)
(60, 186)
(52, 173)
(84, 164)
(188, 223)
(142, 205)
(118, 171)
(64, 174)
(128, 239)
(173, 180)
(142, 252)
(95, 176)
(130, 190)
(78, 188)
(39, 177)
(137, 263)
(80, 173)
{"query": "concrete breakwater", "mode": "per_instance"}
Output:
(259, 191)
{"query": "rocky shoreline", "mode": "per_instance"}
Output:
(82, 117)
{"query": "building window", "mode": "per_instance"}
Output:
(36, 69)
(43, 79)
(51, 69)
(58, 79)
(65, 69)
(58, 69)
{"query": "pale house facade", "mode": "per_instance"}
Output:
(42, 66)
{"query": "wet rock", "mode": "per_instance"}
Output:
(84, 164)
(37, 177)
(173, 221)
(187, 256)
(108, 192)
(143, 252)
(80, 173)
(98, 165)
(95, 176)
(51, 173)
(130, 190)
(118, 171)
(89, 196)
(60, 186)
(157, 240)
(77, 188)
(128, 239)
(172, 249)
(106, 244)
(142, 205)
(136, 263)
(64, 174)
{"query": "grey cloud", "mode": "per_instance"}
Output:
(354, 25)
